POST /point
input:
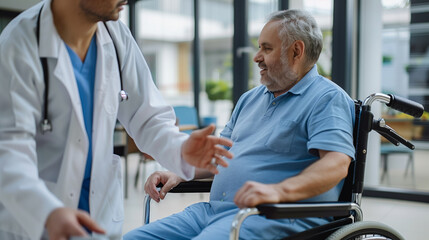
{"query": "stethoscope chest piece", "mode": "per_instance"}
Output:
(123, 96)
(46, 126)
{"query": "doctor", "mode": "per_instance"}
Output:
(66, 73)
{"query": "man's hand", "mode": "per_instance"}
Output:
(168, 179)
(314, 180)
(201, 148)
(64, 223)
(254, 193)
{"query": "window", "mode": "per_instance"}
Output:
(165, 31)
(405, 72)
(259, 11)
(216, 32)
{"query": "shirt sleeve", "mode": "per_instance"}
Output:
(330, 124)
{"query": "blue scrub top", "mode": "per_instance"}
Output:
(85, 78)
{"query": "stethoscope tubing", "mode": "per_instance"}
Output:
(46, 124)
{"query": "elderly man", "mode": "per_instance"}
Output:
(292, 141)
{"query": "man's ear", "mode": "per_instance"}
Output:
(298, 49)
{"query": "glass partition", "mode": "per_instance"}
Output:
(405, 72)
(216, 32)
(258, 14)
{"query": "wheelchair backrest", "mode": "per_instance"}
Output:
(347, 190)
(365, 123)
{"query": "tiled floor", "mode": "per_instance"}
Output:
(409, 218)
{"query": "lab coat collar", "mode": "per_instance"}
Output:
(52, 46)
(103, 36)
(105, 57)
(50, 41)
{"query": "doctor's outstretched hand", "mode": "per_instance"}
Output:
(204, 150)
(63, 223)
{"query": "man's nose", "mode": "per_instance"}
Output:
(257, 58)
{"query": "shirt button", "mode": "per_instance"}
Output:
(71, 194)
(224, 194)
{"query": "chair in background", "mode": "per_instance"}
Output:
(123, 146)
(144, 158)
(387, 149)
(409, 130)
(187, 118)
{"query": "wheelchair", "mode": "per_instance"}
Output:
(348, 216)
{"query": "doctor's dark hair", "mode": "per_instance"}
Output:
(299, 25)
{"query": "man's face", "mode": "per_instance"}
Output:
(102, 10)
(276, 71)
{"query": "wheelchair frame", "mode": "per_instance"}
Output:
(348, 223)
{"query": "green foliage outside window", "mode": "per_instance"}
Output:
(218, 90)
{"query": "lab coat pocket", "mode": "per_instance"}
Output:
(281, 137)
(116, 198)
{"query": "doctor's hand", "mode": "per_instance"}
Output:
(201, 147)
(168, 179)
(63, 223)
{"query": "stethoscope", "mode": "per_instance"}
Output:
(46, 123)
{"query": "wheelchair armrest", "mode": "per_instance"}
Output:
(309, 209)
(195, 186)
(202, 185)
(295, 210)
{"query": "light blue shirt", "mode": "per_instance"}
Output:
(276, 138)
(85, 78)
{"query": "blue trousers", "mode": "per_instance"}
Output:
(205, 221)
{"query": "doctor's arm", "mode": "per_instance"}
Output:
(316, 179)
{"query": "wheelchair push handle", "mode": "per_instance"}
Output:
(405, 105)
(399, 103)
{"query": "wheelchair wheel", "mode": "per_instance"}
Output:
(365, 230)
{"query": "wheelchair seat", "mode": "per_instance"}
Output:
(348, 217)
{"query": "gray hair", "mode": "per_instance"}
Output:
(299, 25)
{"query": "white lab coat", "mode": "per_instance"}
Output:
(41, 172)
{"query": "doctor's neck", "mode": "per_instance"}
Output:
(73, 26)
